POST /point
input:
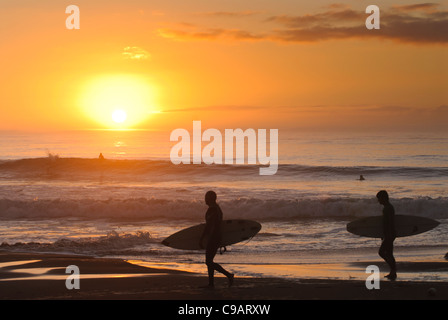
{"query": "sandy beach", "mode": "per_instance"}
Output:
(42, 276)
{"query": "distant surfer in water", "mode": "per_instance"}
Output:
(212, 232)
(387, 246)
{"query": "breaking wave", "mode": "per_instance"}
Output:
(111, 244)
(83, 168)
(141, 209)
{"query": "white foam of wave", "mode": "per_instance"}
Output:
(110, 244)
(140, 209)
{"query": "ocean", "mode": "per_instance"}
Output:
(57, 196)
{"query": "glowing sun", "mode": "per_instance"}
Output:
(118, 101)
(119, 116)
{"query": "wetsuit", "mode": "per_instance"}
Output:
(386, 250)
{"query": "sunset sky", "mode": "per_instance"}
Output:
(310, 65)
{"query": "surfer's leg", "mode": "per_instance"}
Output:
(382, 250)
(386, 252)
(391, 261)
(212, 266)
(219, 268)
(210, 253)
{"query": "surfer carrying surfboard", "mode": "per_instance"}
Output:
(213, 234)
(386, 250)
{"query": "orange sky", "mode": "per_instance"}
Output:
(251, 64)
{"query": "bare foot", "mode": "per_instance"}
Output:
(391, 276)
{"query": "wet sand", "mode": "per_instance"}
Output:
(42, 276)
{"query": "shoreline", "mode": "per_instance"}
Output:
(110, 279)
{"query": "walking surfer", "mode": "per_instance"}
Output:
(213, 233)
(386, 250)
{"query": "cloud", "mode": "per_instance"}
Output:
(135, 53)
(428, 7)
(419, 30)
(323, 18)
(443, 109)
(209, 34)
(412, 24)
(362, 117)
(218, 108)
(336, 6)
(419, 24)
(361, 108)
(228, 14)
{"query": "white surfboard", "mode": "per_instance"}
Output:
(233, 231)
(405, 226)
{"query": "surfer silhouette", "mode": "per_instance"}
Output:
(212, 232)
(386, 250)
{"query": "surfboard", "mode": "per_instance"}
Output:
(405, 226)
(233, 231)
